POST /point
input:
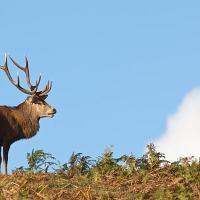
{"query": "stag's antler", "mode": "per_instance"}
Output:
(33, 88)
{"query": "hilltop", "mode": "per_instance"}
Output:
(127, 177)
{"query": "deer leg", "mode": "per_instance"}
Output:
(6, 148)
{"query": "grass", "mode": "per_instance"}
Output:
(126, 177)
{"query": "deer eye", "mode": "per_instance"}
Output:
(40, 103)
(36, 101)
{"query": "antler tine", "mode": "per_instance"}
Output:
(5, 68)
(37, 83)
(46, 89)
(16, 64)
(26, 70)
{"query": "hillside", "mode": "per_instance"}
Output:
(127, 177)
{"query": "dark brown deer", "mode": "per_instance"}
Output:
(22, 121)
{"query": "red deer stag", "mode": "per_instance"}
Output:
(22, 121)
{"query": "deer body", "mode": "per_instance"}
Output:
(17, 123)
(22, 121)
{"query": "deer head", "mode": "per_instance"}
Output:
(36, 101)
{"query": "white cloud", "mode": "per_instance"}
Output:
(182, 135)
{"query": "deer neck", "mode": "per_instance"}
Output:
(29, 121)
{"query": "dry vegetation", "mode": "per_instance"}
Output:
(127, 177)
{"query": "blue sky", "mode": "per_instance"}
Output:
(119, 69)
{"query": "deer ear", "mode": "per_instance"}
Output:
(44, 97)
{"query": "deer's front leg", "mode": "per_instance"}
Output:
(6, 148)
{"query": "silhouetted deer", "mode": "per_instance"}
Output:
(22, 121)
